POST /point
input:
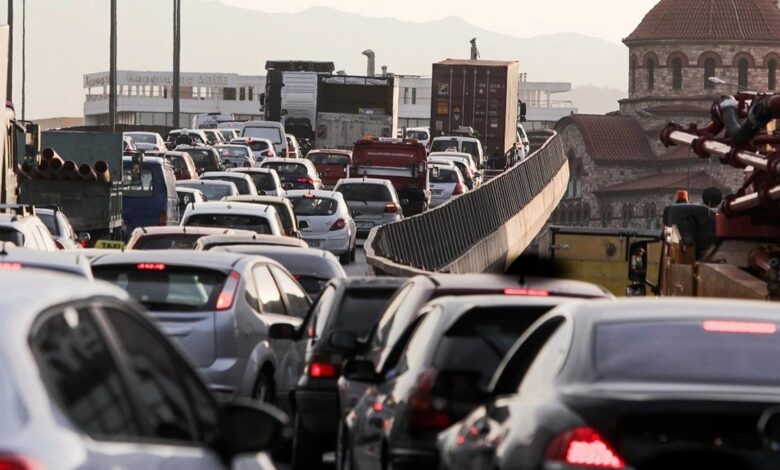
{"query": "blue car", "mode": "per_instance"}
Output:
(152, 200)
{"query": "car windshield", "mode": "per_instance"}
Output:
(166, 242)
(8, 234)
(443, 145)
(328, 159)
(50, 221)
(241, 183)
(166, 288)
(314, 205)
(263, 181)
(143, 138)
(238, 221)
(232, 151)
(215, 192)
(365, 192)
(286, 169)
(419, 135)
(271, 133)
(713, 352)
(445, 176)
(480, 339)
(361, 309)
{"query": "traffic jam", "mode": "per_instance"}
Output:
(182, 301)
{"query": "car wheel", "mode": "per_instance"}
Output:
(264, 389)
(306, 451)
(344, 259)
(352, 255)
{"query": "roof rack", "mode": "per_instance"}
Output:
(21, 210)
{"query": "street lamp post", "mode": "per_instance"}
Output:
(9, 91)
(176, 62)
(112, 70)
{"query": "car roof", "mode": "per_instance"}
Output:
(455, 307)
(370, 282)
(139, 132)
(302, 261)
(178, 229)
(205, 259)
(63, 262)
(150, 160)
(493, 282)
(331, 151)
(448, 155)
(227, 174)
(190, 183)
(238, 207)
(316, 193)
(257, 199)
(186, 189)
(364, 181)
(298, 161)
(246, 239)
(253, 169)
(230, 145)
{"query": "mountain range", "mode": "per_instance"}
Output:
(68, 39)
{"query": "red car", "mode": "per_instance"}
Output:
(332, 165)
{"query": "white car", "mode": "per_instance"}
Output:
(147, 141)
(266, 180)
(371, 202)
(20, 226)
(236, 215)
(423, 134)
(464, 162)
(331, 226)
(469, 145)
(245, 184)
(228, 134)
(214, 190)
(214, 136)
(446, 183)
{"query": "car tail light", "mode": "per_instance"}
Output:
(150, 267)
(308, 181)
(268, 153)
(458, 189)
(391, 208)
(157, 149)
(427, 413)
(18, 462)
(6, 266)
(323, 366)
(583, 447)
(83, 242)
(228, 294)
(527, 292)
(338, 225)
(163, 218)
(740, 327)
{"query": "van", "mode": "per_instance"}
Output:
(152, 200)
(270, 130)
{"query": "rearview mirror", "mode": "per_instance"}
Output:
(303, 224)
(282, 331)
(360, 370)
(249, 426)
(346, 341)
(83, 237)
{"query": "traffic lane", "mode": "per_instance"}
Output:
(359, 267)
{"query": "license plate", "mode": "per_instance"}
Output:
(364, 225)
(437, 191)
(313, 243)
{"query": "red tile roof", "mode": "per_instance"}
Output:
(741, 20)
(667, 182)
(611, 138)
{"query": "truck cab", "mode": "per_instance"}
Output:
(403, 162)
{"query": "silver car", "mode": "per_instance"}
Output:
(266, 180)
(329, 224)
(446, 183)
(371, 202)
(87, 381)
(218, 307)
(214, 190)
(244, 183)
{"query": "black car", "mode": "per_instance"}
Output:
(432, 379)
(346, 310)
(642, 384)
(205, 158)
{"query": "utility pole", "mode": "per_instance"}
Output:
(112, 71)
(9, 91)
(176, 62)
(24, 56)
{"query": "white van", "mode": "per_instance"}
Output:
(270, 130)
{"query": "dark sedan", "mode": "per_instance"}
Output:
(643, 384)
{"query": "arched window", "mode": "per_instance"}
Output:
(627, 214)
(709, 71)
(771, 69)
(742, 70)
(650, 215)
(632, 75)
(677, 73)
(585, 214)
(606, 215)
(650, 71)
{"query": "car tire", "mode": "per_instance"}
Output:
(306, 448)
(344, 259)
(352, 254)
(263, 389)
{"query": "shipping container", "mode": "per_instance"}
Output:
(342, 130)
(477, 94)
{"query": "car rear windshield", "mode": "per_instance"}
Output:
(166, 288)
(258, 145)
(480, 339)
(365, 192)
(419, 135)
(233, 152)
(10, 235)
(263, 181)
(328, 159)
(142, 187)
(202, 158)
(144, 138)
(314, 206)
(180, 241)
(214, 192)
(177, 162)
(271, 133)
(283, 168)
(471, 148)
(227, 135)
(443, 145)
(444, 176)
(360, 310)
(241, 183)
(312, 285)
(50, 221)
(237, 221)
(716, 352)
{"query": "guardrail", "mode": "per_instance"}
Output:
(483, 230)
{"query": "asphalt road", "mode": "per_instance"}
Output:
(359, 267)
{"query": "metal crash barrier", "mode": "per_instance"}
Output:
(483, 230)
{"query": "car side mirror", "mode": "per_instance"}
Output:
(282, 331)
(345, 341)
(360, 370)
(303, 224)
(249, 426)
(84, 237)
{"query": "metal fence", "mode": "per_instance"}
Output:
(434, 239)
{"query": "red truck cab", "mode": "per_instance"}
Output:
(332, 165)
(403, 162)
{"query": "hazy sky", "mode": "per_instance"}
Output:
(606, 19)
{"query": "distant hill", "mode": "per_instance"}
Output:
(596, 100)
(68, 39)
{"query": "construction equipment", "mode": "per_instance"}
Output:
(730, 247)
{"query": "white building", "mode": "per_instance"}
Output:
(414, 101)
(144, 97)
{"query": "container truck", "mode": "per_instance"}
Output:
(479, 96)
(351, 107)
